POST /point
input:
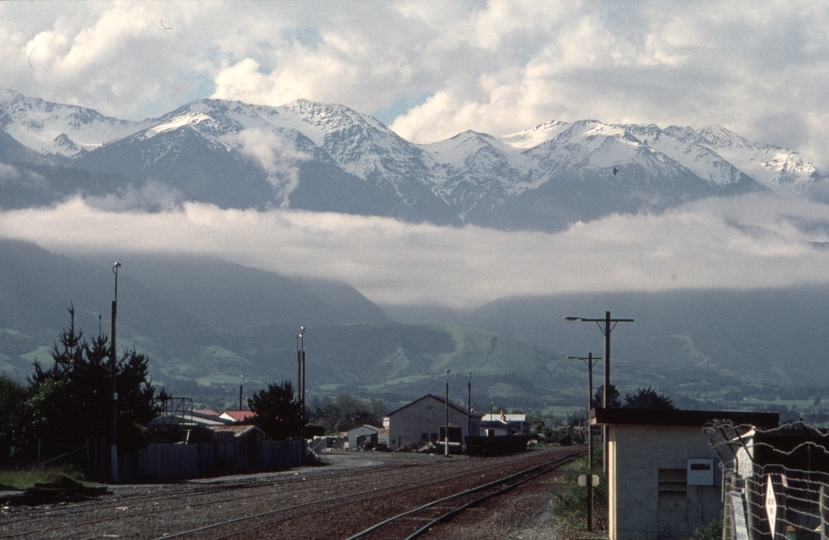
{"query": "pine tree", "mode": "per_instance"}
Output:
(278, 414)
(71, 400)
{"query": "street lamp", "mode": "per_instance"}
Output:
(446, 411)
(469, 406)
(606, 325)
(113, 371)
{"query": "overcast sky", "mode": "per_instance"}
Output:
(430, 70)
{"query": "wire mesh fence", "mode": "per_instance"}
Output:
(776, 482)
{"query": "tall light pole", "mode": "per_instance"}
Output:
(241, 388)
(301, 369)
(298, 371)
(113, 370)
(469, 406)
(446, 414)
(606, 325)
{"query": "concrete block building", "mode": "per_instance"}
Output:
(663, 479)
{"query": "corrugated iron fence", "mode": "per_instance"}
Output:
(174, 461)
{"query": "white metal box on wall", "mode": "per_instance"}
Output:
(700, 472)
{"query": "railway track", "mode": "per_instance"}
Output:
(312, 504)
(160, 498)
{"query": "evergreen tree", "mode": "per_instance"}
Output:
(648, 398)
(278, 414)
(614, 400)
(71, 400)
(12, 400)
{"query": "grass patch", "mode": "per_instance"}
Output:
(569, 500)
(26, 478)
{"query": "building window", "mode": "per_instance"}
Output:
(673, 484)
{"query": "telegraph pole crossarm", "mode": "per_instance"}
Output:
(606, 325)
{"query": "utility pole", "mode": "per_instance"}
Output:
(590, 361)
(446, 411)
(606, 327)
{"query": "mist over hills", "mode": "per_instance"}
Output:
(208, 321)
(205, 320)
(682, 338)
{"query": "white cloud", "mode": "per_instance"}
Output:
(759, 69)
(746, 242)
(149, 197)
(279, 160)
(12, 176)
(493, 66)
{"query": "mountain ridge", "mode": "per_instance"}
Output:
(237, 155)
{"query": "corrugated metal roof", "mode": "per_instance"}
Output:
(238, 416)
(473, 414)
(237, 431)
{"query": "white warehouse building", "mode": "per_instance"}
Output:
(423, 419)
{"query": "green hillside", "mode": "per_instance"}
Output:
(207, 322)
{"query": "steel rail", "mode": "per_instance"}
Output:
(547, 467)
(203, 489)
(374, 492)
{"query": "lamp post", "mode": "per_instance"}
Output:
(446, 414)
(298, 372)
(113, 371)
(241, 387)
(469, 405)
(606, 325)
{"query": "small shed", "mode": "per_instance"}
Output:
(663, 478)
(363, 436)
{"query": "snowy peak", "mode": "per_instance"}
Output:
(213, 150)
(525, 140)
(53, 128)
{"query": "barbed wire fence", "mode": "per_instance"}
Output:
(774, 484)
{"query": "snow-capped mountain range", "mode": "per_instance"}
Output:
(330, 158)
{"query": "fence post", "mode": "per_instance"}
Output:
(824, 513)
(727, 524)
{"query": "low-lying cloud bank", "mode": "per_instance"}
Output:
(740, 242)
